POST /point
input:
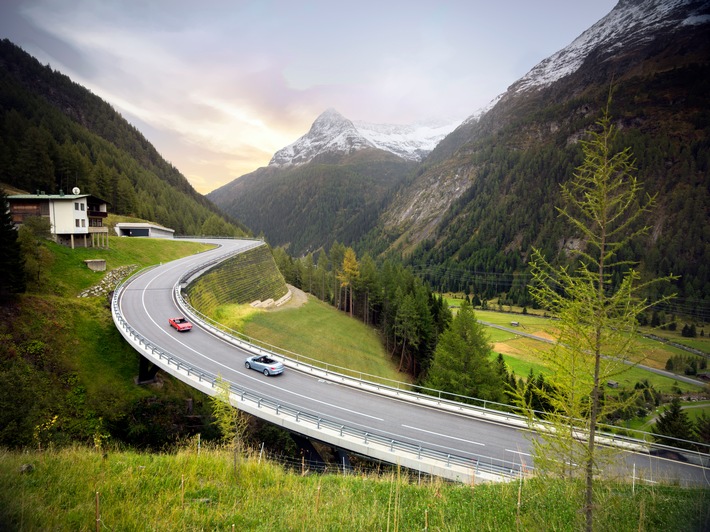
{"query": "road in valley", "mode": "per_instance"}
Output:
(147, 303)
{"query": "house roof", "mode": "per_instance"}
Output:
(56, 197)
(142, 225)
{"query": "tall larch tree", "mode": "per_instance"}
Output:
(597, 311)
(349, 274)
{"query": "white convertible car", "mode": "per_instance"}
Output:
(264, 364)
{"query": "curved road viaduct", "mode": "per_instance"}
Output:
(432, 436)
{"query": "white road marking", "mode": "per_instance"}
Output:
(518, 452)
(444, 435)
(261, 381)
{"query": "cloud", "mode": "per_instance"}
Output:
(219, 86)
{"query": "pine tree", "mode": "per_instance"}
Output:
(337, 255)
(369, 285)
(12, 274)
(37, 259)
(702, 431)
(674, 427)
(406, 328)
(321, 275)
(462, 364)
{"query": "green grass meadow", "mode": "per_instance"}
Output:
(318, 331)
(82, 489)
(67, 274)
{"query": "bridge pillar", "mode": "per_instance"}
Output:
(312, 460)
(343, 460)
(146, 371)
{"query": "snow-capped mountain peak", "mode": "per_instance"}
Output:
(630, 22)
(332, 133)
(412, 142)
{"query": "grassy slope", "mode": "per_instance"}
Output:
(139, 491)
(202, 491)
(68, 274)
(84, 359)
(330, 336)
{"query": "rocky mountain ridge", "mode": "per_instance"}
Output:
(630, 24)
(475, 207)
(631, 33)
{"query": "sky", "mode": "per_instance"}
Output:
(219, 86)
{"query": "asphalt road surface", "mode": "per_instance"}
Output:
(147, 302)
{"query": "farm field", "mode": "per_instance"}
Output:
(522, 353)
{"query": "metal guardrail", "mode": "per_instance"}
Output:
(398, 389)
(213, 262)
(358, 379)
(477, 465)
(458, 467)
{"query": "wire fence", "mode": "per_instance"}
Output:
(346, 436)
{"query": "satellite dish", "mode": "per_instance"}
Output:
(75, 190)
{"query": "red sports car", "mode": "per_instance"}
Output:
(181, 324)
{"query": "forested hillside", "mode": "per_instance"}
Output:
(487, 195)
(311, 206)
(55, 135)
(468, 217)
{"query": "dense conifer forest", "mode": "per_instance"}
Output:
(517, 159)
(318, 203)
(56, 135)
